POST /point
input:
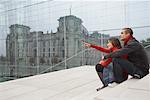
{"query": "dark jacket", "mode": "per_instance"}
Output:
(136, 55)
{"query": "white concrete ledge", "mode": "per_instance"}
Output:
(73, 84)
(132, 89)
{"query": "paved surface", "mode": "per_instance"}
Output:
(73, 84)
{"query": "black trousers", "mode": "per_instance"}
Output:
(99, 69)
(119, 65)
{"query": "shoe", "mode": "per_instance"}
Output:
(101, 88)
(136, 76)
(112, 84)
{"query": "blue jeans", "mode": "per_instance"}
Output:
(108, 76)
(105, 73)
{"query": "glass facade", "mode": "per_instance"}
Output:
(39, 36)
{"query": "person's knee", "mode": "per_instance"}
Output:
(119, 61)
(99, 68)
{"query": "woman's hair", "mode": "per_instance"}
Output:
(115, 42)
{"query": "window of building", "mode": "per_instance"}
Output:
(63, 42)
(63, 53)
(53, 49)
(49, 52)
(43, 52)
(35, 52)
(34, 43)
(44, 43)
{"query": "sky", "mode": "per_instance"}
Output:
(97, 15)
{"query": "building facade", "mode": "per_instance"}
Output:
(16, 46)
(34, 52)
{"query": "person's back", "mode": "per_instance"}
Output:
(138, 56)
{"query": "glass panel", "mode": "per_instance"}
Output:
(39, 36)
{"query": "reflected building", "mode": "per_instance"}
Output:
(16, 47)
(27, 49)
(16, 44)
(93, 56)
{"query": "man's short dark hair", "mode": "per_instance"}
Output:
(129, 30)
